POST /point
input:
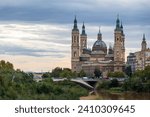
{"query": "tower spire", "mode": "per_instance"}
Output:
(75, 27)
(144, 37)
(99, 36)
(121, 25)
(99, 30)
(118, 23)
(83, 29)
(144, 44)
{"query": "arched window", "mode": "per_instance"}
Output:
(74, 39)
(77, 39)
(117, 56)
(83, 43)
(75, 54)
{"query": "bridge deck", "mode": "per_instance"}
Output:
(78, 80)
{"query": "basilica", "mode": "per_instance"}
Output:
(106, 59)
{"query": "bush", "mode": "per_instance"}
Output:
(116, 89)
(15, 84)
(116, 74)
(103, 85)
(114, 83)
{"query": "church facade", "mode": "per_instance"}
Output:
(99, 56)
(143, 56)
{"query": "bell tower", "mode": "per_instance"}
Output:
(83, 39)
(119, 46)
(144, 44)
(75, 47)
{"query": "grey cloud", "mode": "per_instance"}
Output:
(19, 50)
(58, 11)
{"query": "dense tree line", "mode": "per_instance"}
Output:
(67, 73)
(64, 73)
(15, 84)
(138, 81)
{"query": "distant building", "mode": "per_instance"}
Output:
(131, 60)
(143, 56)
(99, 56)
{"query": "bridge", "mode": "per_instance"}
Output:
(88, 83)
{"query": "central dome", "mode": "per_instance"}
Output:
(99, 45)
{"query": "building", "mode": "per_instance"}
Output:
(143, 56)
(131, 60)
(99, 56)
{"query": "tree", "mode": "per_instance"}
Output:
(97, 73)
(74, 74)
(66, 73)
(128, 70)
(6, 66)
(82, 73)
(114, 83)
(24, 87)
(117, 74)
(103, 84)
(56, 72)
(147, 72)
(46, 75)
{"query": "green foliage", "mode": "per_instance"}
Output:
(66, 73)
(147, 73)
(117, 74)
(116, 89)
(56, 72)
(97, 73)
(105, 84)
(133, 84)
(139, 73)
(6, 66)
(15, 84)
(139, 82)
(46, 75)
(114, 83)
(128, 70)
(74, 74)
(82, 73)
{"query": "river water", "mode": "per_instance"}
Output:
(117, 96)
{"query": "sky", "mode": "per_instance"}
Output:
(35, 35)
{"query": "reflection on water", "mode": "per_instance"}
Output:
(118, 96)
(124, 96)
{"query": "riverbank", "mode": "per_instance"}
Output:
(105, 95)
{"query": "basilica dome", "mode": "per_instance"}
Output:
(99, 45)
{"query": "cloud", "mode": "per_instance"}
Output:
(54, 40)
(56, 11)
(33, 40)
(19, 51)
(41, 33)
